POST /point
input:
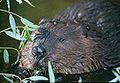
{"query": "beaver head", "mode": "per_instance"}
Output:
(84, 37)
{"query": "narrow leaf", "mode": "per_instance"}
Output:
(25, 81)
(27, 1)
(50, 72)
(22, 34)
(116, 74)
(28, 23)
(18, 31)
(19, 1)
(118, 69)
(36, 78)
(32, 29)
(27, 34)
(12, 23)
(8, 79)
(21, 44)
(17, 36)
(8, 5)
(114, 80)
(80, 80)
(6, 56)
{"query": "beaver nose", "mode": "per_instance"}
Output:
(39, 51)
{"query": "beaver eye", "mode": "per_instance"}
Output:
(61, 39)
(39, 51)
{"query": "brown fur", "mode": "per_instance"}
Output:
(87, 40)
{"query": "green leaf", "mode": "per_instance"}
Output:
(80, 80)
(27, 1)
(19, 1)
(12, 78)
(50, 72)
(18, 31)
(12, 23)
(8, 4)
(8, 79)
(28, 23)
(118, 69)
(6, 56)
(27, 34)
(32, 29)
(17, 36)
(113, 80)
(117, 75)
(36, 78)
(21, 44)
(22, 34)
(25, 81)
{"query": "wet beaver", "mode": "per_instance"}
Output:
(83, 38)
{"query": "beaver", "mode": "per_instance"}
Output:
(85, 37)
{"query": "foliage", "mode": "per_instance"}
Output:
(27, 1)
(22, 33)
(10, 77)
(6, 56)
(50, 72)
(116, 72)
(14, 31)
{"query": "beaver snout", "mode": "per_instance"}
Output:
(39, 51)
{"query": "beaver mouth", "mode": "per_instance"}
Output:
(39, 51)
(67, 65)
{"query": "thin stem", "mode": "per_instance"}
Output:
(5, 74)
(10, 48)
(11, 13)
(5, 30)
(18, 57)
(9, 29)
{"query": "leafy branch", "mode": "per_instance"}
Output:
(14, 31)
(6, 54)
(10, 13)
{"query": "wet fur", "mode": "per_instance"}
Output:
(87, 40)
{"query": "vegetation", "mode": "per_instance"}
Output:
(22, 33)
